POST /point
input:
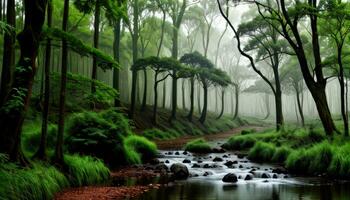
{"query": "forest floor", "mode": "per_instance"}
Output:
(130, 192)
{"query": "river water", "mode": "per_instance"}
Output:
(206, 182)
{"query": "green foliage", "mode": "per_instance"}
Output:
(104, 61)
(198, 146)
(139, 149)
(281, 154)
(340, 165)
(314, 160)
(31, 139)
(247, 131)
(262, 152)
(38, 182)
(86, 170)
(95, 134)
(239, 143)
(156, 134)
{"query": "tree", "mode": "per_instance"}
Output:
(41, 153)
(159, 66)
(59, 157)
(176, 13)
(335, 24)
(264, 40)
(293, 80)
(288, 17)
(13, 110)
(8, 62)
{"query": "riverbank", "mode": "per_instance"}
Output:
(148, 172)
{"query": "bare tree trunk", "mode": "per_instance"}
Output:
(96, 44)
(190, 114)
(59, 157)
(41, 153)
(222, 103)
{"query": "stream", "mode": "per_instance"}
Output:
(256, 181)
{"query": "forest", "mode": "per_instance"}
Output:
(174, 99)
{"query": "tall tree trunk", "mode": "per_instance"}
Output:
(267, 105)
(164, 94)
(190, 114)
(8, 62)
(12, 117)
(199, 98)
(135, 36)
(41, 153)
(155, 104)
(278, 91)
(183, 95)
(174, 79)
(96, 44)
(59, 157)
(300, 106)
(342, 92)
(144, 97)
(205, 103)
(235, 116)
(162, 34)
(222, 104)
(116, 53)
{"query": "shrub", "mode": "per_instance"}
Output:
(247, 131)
(38, 182)
(239, 142)
(281, 154)
(86, 170)
(156, 134)
(198, 146)
(31, 140)
(138, 149)
(314, 160)
(262, 152)
(340, 165)
(98, 134)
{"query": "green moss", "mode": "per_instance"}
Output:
(138, 149)
(262, 152)
(198, 146)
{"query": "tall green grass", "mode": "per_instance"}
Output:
(262, 152)
(42, 181)
(138, 149)
(86, 170)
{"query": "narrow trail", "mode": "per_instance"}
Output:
(178, 143)
(130, 192)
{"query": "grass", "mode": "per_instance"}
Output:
(239, 142)
(43, 181)
(198, 146)
(156, 134)
(138, 149)
(86, 170)
(262, 152)
(301, 151)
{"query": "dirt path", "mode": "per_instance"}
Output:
(123, 192)
(178, 143)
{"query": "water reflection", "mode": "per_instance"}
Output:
(207, 190)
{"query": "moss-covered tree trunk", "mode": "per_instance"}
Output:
(116, 53)
(59, 157)
(41, 153)
(13, 111)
